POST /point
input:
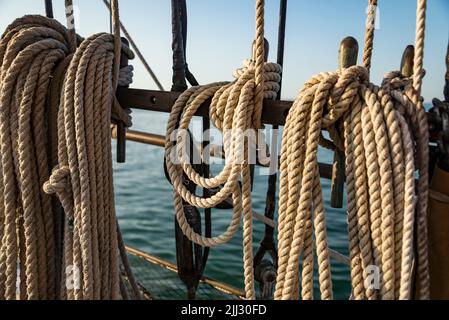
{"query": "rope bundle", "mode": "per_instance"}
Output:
(43, 70)
(236, 108)
(30, 49)
(82, 179)
(379, 140)
(232, 111)
(404, 93)
(382, 128)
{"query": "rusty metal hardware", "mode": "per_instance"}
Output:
(439, 130)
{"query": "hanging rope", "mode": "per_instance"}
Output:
(380, 196)
(235, 108)
(381, 127)
(38, 57)
(83, 178)
(30, 49)
(423, 155)
(369, 33)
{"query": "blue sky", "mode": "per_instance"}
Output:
(221, 33)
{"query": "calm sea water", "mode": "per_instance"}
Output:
(146, 213)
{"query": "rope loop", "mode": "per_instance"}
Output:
(59, 181)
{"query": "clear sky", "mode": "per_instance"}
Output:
(221, 33)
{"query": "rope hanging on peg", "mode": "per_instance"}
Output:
(236, 108)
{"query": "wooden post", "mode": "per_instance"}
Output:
(349, 50)
(407, 61)
(266, 45)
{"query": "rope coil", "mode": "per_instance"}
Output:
(379, 130)
(42, 70)
(30, 49)
(235, 108)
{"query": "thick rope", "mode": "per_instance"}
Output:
(423, 152)
(369, 33)
(30, 49)
(378, 140)
(382, 126)
(82, 179)
(35, 60)
(84, 154)
(236, 108)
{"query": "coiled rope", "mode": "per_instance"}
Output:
(38, 57)
(382, 128)
(236, 108)
(83, 178)
(401, 85)
(30, 49)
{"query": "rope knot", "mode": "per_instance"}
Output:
(395, 80)
(58, 181)
(357, 74)
(272, 76)
(340, 90)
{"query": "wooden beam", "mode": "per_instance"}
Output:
(274, 112)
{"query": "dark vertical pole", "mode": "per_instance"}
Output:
(49, 9)
(446, 86)
(281, 38)
(110, 17)
(183, 12)
(179, 74)
(121, 129)
(349, 50)
(206, 142)
(206, 193)
(271, 192)
(189, 256)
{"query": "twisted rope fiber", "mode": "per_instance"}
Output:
(423, 151)
(30, 49)
(85, 166)
(369, 33)
(382, 128)
(379, 134)
(35, 56)
(115, 16)
(235, 108)
(82, 179)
